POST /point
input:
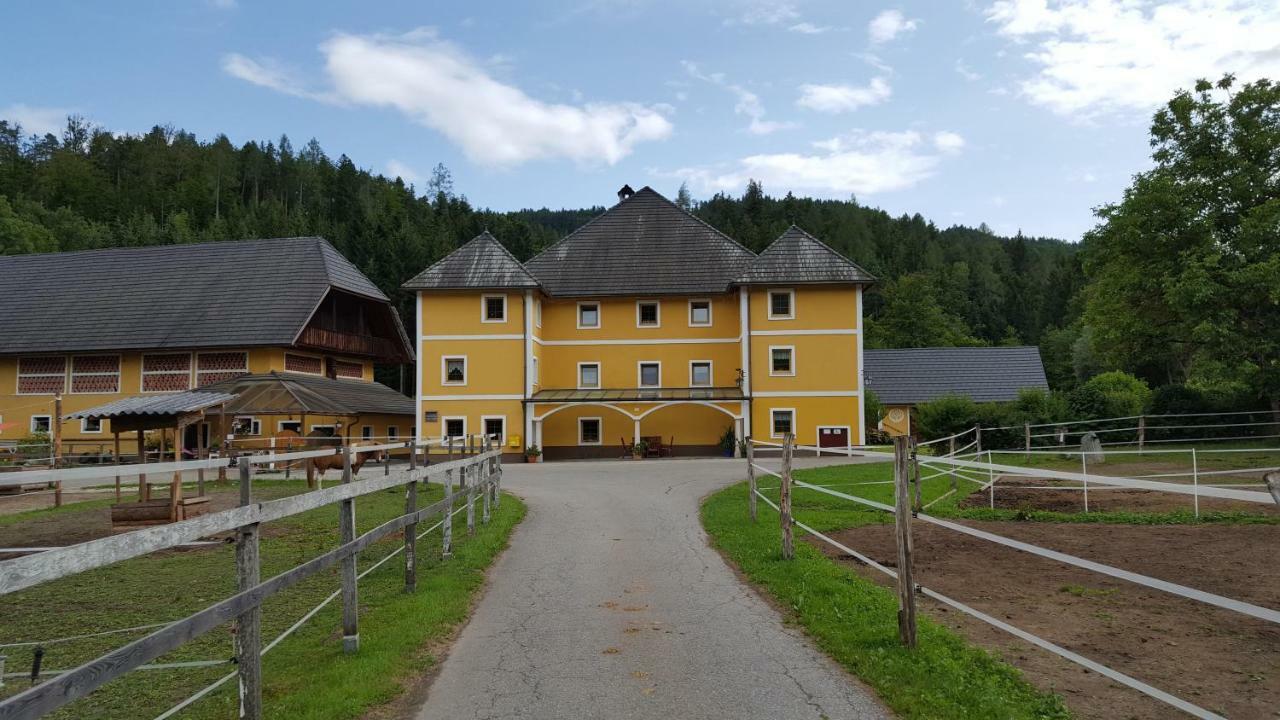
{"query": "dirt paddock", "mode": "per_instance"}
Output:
(1221, 660)
(1022, 493)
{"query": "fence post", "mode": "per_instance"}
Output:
(915, 474)
(977, 436)
(1142, 432)
(902, 530)
(1084, 470)
(446, 542)
(485, 487)
(751, 479)
(2, 658)
(116, 434)
(248, 639)
(1272, 480)
(476, 483)
(1195, 481)
(1026, 433)
(784, 499)
(497, 480)
(411, 530)
(991, 481)
(951, 445)
(57, 431)
(350, 591)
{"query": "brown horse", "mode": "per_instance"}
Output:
(317, 440)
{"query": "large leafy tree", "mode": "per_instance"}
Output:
(1185, 270)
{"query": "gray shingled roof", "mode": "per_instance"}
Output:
(797, 257)
(286, 392)
(168, 404)
(244, 293)
(916, 375)
(644, 245)
(481, 263)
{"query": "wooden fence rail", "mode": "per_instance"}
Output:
(245, 606)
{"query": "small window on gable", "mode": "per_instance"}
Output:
(783, 422)
(91, 425)
(588, 375)
(495, 308)
(700, 373)
(647, 314)
(588, 315)
(782, 361)
(41, 424)
(455, 371)
(650, 374)
(782, 305)
(699, 313)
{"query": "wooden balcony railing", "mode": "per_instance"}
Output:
(348, 343)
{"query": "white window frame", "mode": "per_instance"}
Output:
(312, 356)
(484, 308)
(366, 432)
(393, 433)
(599, 431)
(143, 372)
(792, 350)
(444, 427)
(640, 373)
(325, 426)
(773, 411)
(31, 424)
(599, 377)
(710, 312)
(502, 436)
(578, 315)
(280, 426)
(791, 303)
(195, 367)
(84, 428)
(711, 373)
(71, 374)
(657, 308)
(444, 370)
(66, 374)
(255, 425)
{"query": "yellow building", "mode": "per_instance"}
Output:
(96, 326)
(644, 324)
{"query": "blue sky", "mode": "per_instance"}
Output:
(1024, 114)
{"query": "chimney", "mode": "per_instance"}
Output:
(625, 193)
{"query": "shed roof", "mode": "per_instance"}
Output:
(644, 245)
(278, 393)
(168, 404)
(216, 294)
(481, 263)
(798, 257)
(990, 374)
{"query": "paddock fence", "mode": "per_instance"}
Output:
(907, 472)
(477, 472)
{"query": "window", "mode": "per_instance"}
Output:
(432, 416)
(589, 431)
(91, 425)
(588, 315)
(650, 374)
(588, 376)
(700, 373)
(782, 360)
(168, 372)
(493, 308)
(453, 370)
(303, 364)
(647, 314)
(782, 304)
(95, 374)
(366, 432)
(782, 422)
(289, 426)
(246, 425)
(495, 428)
(393, 433)
(325, 430)
(353, 370)
(42, 375)
(699, 313)
(455, 428)
(218, 366)
(41, 424)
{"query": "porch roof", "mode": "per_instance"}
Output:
(638, 394)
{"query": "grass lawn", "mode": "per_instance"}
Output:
(306, 676)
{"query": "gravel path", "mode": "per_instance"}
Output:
(610, 603)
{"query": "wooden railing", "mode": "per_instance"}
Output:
(347, 342)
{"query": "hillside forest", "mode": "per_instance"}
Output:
(1177, 284)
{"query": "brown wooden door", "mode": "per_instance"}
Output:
(833, 437)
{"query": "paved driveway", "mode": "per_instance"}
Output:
(610, 604)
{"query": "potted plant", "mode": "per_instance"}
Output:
(531, 454)
(639, 449)
(727, 442)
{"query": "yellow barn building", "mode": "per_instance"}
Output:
(288, 318)
(645, 324)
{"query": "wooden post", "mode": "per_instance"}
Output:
(951, 445)
(200, 455)
(497, 481)
(144, 490)
(1142, 432)
(1026, 433)
(784, 500)
(915, 476)
(225, 444)
(977, 436)
(446, 541)
(485, 486)
(902, 529)
(751, 479)
(473, 486)
(56, 426)
(248, 637)
(1272, 480)
(175, 486)
(411, 530)
(57, 494)
(350, 595)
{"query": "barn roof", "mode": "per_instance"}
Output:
(277, 393)
(220, 294)
(176, 403)
(799, 258)
(987, 374)
(481, 263)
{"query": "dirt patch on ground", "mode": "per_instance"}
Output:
(1221, 660)
(1022, 493)
(12, 504)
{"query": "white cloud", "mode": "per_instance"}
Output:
(224, 4)
(808, 28)
(395, 168)
(36, 120)
(766, 14)
(948, 142)
(888, 25)
(269, 74)
(1123, 56)
(861, 162)
(967, 72)
(748, 104)
(439, 86)
(843, 98)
